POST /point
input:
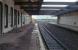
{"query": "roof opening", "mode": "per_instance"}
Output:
(54, 5)
(59, 0)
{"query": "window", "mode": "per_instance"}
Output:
(11, 16)
(6, 16)
(24, 20)
(18, 17)
(15, 17)
(21, 19)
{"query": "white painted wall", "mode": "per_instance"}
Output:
(10, 4)
(69, 20)
(28, 20)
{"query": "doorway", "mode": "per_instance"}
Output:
(1, 11)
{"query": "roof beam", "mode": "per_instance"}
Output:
(58, 3)
(47, 12)
(45, 3)
(27, 3)
(35, 12)
(43, 7)
(52, 7)
(30, 8)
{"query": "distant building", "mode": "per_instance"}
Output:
(54, 21)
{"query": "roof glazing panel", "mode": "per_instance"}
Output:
(54, 5)
(49, 9)
(59, 0)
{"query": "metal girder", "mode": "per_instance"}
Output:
(21, 0)
(58, 3)
(32, 12)
(46, 3)
(46, 12)
(44, 7)
(52, 7)
(27, 3)
(28, 7)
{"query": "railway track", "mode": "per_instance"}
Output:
(63, 39)
(50, 41)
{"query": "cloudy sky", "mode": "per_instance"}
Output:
(44, 17)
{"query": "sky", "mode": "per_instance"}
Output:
(59, 0)
(43, 17)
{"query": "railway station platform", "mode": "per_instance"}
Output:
(16, 38)
(24, 38)
(74, 28)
